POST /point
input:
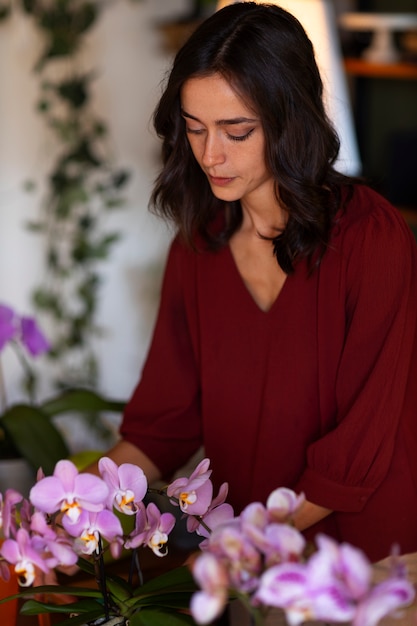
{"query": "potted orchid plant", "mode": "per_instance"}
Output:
(27, 429)
(257, 558)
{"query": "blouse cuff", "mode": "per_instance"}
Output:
(334, 496)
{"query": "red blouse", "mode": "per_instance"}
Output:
(318, 394)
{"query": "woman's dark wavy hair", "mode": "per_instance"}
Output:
(265, 54)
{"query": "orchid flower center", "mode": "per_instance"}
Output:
(125, 501)
(72, 510)
(158, 542)
(91, 541)
(25, 572)
(186, 498)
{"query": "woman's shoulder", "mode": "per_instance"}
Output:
(361, 202)
(368, 215)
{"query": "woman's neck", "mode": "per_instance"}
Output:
(267, 220)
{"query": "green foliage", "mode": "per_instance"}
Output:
(83, 187)
(34, 436)
(29, 431)
(163, 601)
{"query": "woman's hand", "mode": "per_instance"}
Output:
(309, 514)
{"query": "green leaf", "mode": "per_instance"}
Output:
(72, 590)
(178, 578)
(81, 400)
(35, 227)
(175, 600)
(35, 437)
(115, 203)
(155, 617)
(34, 607)
(74, 91)
(120, 178)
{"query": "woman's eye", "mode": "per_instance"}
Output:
(240, 137)
(194, 131)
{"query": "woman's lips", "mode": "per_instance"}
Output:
(220, 181)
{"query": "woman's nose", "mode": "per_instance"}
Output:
(213, 152)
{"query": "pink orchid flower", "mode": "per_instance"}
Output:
(383, 600)
(283, 502)
(284, 586)
(8, 325)
(21, 553)
(193, 494)
(32, 337)
(55, 547)
(152, 530)
(93, 525)
(212, 577)
(244, 561)
(7, 512)
(218, 512)
(127, 485)
(13, 327)
(278, 542)
(4, 571)
(69, 492)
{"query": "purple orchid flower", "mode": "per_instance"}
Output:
(338, 577)
(218, 512)
(284, 586)
(193, 494)
(69, 492)
(8, 325)
(278, 542)
(127, 485)
(335, 585)
(4, 571)
(152, 529)
(384, 599)
(343, 562)
(212, 577)
(93, 525)
(55, 547)
(7, 512)
(283, 502)
(21, 553)
(244, 561)
(13, 327)
(32, 337)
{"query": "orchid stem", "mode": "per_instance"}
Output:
(28, 372)
(101, 577)
(135, 565)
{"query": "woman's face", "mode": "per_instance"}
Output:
(227, 140)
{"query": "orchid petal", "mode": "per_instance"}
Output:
(284, 502)
(385, 598)
(32, 337)
(47, 494)
(205, 607)
(8, 327)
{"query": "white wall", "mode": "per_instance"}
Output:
(128, 49)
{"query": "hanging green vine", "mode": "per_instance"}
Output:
(82, 187)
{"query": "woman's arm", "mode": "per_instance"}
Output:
(309, 514)
(126, 452)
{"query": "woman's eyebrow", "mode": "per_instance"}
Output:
(225, 122)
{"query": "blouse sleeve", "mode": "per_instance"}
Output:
(375, 285)
(163, 416)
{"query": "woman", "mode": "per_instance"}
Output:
(286, 337)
